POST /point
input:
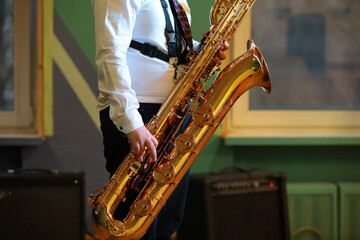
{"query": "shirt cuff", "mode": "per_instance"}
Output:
(130, 121)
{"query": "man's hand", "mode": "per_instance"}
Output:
(221, 55)
(141, 138)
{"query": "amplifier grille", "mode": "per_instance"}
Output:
(248, 211)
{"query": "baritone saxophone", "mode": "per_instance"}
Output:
(189, 99)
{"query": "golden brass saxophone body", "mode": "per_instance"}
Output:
(154, 182)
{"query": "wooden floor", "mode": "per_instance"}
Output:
(91, 237)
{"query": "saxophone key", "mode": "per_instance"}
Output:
(142, 207)
(115, 227)
(203, 115)
(165, 174)
(185, 143)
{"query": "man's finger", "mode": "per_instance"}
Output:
(136, 148)
(142, 148)
(152, 151)
(225, 46)
(218, 61)
(155, 142)
(221, 55)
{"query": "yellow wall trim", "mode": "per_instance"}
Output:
(76, 81)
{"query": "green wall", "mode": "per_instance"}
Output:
(301, 163)
(78, 18)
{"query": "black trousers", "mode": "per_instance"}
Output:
(116, 148)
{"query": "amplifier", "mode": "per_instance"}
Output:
(42, 205)
(249, 205)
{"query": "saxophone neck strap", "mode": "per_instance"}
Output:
(152, 51)
(169, 31)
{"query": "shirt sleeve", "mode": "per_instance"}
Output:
(114, 24)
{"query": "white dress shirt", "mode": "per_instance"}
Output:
(125, 76)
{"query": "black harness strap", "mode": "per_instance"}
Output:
(151, 50)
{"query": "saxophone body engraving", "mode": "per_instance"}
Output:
(177, 150)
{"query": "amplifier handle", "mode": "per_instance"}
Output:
(234, 169)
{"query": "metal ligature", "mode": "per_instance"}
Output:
(153, 182)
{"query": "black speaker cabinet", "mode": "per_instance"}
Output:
(42, 205)
(236, 205)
